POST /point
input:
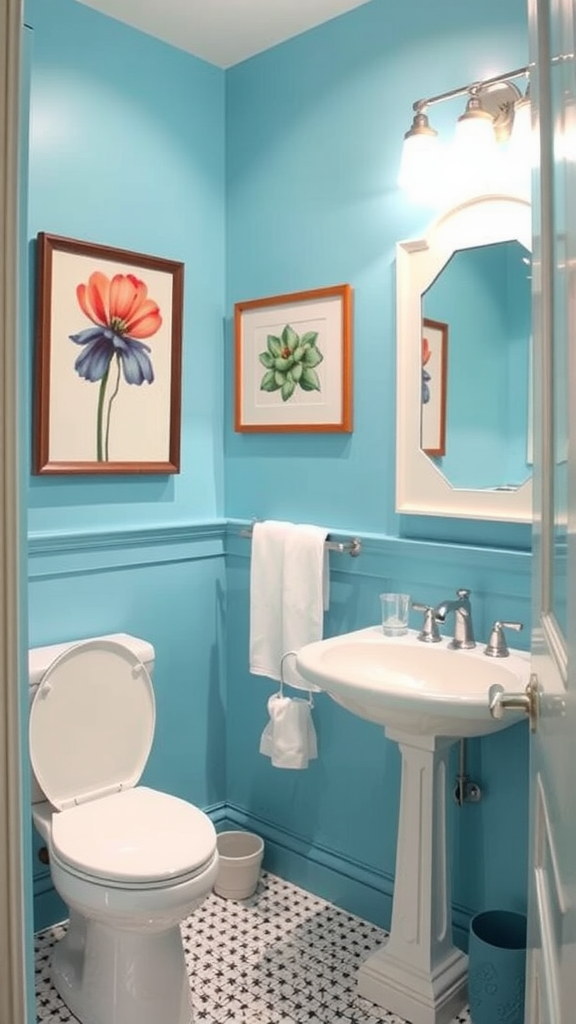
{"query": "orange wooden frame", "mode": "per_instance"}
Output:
(276, 394)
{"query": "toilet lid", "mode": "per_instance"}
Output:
(137, 836)
(91, 723)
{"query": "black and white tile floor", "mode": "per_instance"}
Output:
(282, 957)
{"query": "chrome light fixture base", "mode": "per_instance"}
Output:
(498, 99)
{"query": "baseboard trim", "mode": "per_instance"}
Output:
(217, 814)
(344, 881)
(49, 910)
(350, 884)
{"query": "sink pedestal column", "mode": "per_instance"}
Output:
(419, 973)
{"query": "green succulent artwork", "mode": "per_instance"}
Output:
(290, 362)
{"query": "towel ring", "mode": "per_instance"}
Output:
(282, 680)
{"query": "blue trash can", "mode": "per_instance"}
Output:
(497, 967)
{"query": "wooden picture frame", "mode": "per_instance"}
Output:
(108, 359)
(293, 369)
(434, 383)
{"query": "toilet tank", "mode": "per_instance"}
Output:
(41, 658)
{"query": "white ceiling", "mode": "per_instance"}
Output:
(223, 32)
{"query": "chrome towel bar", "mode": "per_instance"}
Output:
(344, 547)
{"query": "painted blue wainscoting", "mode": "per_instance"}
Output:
(332, 828)
(167, 585)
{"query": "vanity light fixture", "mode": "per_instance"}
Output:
(495, 111)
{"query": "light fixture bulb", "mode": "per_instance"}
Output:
(522, 148)
(475, 127)
(420, 158)
(475, 151)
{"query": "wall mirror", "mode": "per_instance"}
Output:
(464, 343)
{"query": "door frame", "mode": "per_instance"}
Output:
(13, 970)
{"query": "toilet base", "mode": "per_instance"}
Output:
(114, 976)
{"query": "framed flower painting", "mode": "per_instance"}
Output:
(108, 360)
(294, 362)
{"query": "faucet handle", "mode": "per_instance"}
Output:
(429, 634)
(497, 646)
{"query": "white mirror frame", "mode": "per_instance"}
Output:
(421, 488)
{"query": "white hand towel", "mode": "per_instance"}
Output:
(266, 582)
(289, 738)
(288, 594)
(305, 594)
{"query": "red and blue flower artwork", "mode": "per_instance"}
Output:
(122, 314)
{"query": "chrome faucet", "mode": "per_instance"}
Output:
(463, 628)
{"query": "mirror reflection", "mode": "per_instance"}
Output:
(476, 368)
(467, 281)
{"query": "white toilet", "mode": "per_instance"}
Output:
(129, 862)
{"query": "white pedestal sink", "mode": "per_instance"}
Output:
(426, 697)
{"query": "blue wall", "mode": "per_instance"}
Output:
(127, 148)
(314, 135)
(314, 132)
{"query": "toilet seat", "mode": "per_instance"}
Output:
(91, 730)
(91, 723)
(134, 839)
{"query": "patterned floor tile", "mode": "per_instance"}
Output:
(282, 957)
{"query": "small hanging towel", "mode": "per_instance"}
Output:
(289, 738)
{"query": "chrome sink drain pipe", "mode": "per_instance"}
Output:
(465, 789)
